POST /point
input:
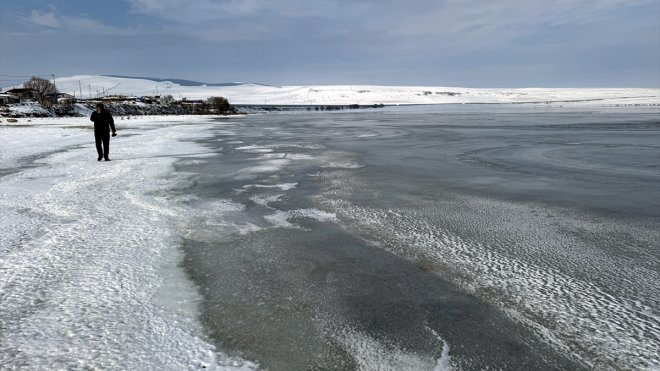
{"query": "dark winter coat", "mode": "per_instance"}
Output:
(103, 122)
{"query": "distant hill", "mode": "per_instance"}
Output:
(91, 86)
(181, 81)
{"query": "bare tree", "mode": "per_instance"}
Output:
(221, 104)
(43, 89)
(166, 100)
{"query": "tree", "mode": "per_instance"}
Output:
(43, 89)
(167, 100)
(221, 104)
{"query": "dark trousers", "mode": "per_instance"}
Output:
(102, 138)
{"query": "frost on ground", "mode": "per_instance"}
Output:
(89, 250)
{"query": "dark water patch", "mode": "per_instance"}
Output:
(284, 297)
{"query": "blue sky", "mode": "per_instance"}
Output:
(470, 43)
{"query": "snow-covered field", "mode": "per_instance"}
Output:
(92, 85)
(89, 250)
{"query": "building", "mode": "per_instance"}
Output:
(7, 98)
(23, 93)
(64, 98)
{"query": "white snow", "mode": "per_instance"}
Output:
(359, 94)
(89, 274)
(29, 107)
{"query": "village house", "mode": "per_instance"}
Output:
(7, 98)
(63, 98)
(23, 94)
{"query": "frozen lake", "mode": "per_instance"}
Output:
(440, 237)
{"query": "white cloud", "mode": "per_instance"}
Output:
(44, 19)
(451, 22)
(77, 24)
(506, 16)
(382, 39)
(458, 26)
(184, 11)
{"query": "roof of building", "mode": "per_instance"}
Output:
(19, 90)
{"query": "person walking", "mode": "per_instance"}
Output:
(103, 122)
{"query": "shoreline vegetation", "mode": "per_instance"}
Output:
(82, 109)
(32, 109)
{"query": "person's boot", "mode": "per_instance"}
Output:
(107, 159)
(100, 158)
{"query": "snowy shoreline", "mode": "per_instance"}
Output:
(255, 98)
(89, 256)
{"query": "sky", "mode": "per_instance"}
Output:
(467, 43)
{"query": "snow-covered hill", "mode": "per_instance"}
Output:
(356, 94)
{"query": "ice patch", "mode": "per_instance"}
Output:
(269, 156)
(283, 186)
(221, 217)
(287, 156)
(269, 166)
(299, 156)
(342, 165)
(191, 162)
(254, 149)
(279, 219)
(225, 132)
(316, 214)
(283, 218)
(265, 200)
(221, 228)
(219, 206)
(276, 162)
(444, 362)
(303, 146)
(258, 150)
(373, 355)
(260, 169)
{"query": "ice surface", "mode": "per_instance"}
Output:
(571, 313)
(90, 283)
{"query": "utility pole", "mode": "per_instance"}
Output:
(90, 90)
(52, 74)
(80, 87)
